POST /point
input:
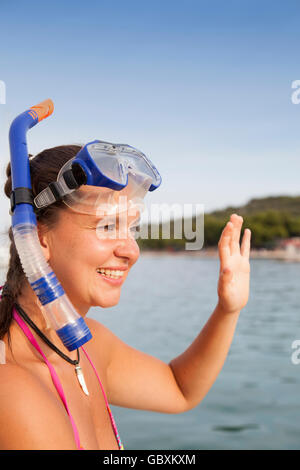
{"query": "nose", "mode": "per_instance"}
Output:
(127, 248)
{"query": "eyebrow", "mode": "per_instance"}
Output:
(137, 220)
(98, 218)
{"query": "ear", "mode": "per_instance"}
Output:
(44, 240)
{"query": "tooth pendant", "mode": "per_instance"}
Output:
(80, 378)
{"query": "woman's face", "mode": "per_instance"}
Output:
(79, 246)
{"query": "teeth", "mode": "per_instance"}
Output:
(113, 273)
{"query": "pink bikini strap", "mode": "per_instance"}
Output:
(54, 376)
(58, 385)
(113, 423)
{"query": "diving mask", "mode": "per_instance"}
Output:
(90, 179)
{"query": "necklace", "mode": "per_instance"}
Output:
(78, 369)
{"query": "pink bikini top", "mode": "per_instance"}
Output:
(58, 385)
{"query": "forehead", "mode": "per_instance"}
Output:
(100, 201)
(119, 213)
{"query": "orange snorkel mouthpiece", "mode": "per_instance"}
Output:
(42, 110)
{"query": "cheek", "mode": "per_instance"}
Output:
(72, 254)
(97, 252)
(88, 250)
(69, 250)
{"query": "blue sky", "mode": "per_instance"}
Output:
(202, 87)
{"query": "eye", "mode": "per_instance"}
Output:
(106, 228)
(135, 228)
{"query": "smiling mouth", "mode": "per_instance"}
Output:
(113, 274)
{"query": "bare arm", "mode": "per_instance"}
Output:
(138, 380)
(198, 367)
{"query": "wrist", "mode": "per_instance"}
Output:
(222, 310)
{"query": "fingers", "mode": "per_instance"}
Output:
(229, 242)
(224, 243)
(245, 247)
(235, 241)
(237, 221)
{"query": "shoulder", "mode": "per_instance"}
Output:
(98, 330)
(104, 341)
(12, 376)
(30, 415)
(17, 386)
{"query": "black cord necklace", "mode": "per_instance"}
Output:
(44, 338)
(75, 362)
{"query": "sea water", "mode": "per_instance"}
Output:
(254, 402)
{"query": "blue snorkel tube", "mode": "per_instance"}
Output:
(57, 309)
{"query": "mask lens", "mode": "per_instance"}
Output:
(137, 162)
(108, 163)
(114, 161)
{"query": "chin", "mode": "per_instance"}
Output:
(106, 303)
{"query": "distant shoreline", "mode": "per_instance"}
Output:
(213, 253)
(282, 255)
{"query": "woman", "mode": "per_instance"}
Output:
(42, 409)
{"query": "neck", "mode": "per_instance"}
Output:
(33, 308)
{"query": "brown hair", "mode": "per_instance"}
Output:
(44, 169)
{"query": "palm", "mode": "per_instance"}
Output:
(233, 285)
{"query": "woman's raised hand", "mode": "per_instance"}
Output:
(234, 277)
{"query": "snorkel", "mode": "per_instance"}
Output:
(57, 309)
